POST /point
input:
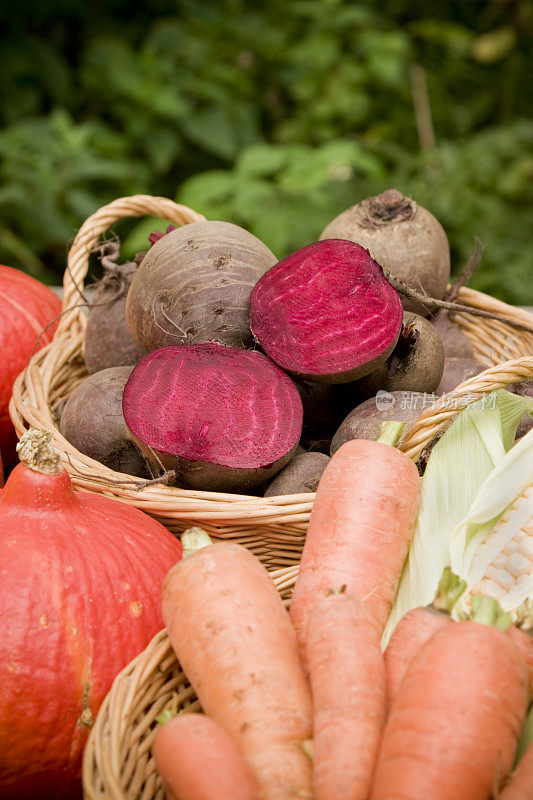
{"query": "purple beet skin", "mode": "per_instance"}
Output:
(222, 417)
(326, 313)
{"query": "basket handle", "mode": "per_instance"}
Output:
(138, 205)
(449, 405)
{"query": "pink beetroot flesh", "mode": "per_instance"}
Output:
(212, 403)
(326, 312)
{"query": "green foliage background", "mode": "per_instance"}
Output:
(275, 115)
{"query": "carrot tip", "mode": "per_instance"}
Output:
(169, 712)
(194, 539)
(390, 432)
(488, 611)
(307, 747)
(164, 717)
(450, 589)
(524, 615)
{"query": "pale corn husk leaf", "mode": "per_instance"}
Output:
(472, 547)
(472, 446)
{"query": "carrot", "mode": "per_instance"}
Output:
(524, 640)
(411, 633)
(416, 627)
(348, 687)
(520, 785)
(199, 761)
(454, 724)
(360, 530)
(235, 642)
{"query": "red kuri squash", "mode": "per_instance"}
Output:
(27, 306)
(80, 596)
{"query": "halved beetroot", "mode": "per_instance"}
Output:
(326, 313)
(222, 417)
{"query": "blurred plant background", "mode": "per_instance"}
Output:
(275, 114)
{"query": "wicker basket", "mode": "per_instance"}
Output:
(118, 762)
(273, 528)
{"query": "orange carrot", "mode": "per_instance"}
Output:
(234, 639)
(524, 640)
(199, 761)
(348, 687)
(360, 530)
(520, 785)
(454, 725)
(416, 627)
(411, 633)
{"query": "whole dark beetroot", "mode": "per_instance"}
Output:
(416, 363)
(365, 421)
(92, 422)
(108, 341)
(456, 371)
(456, 343)
(301, 475)
(524, 389)
(403, 237)
(194, 285)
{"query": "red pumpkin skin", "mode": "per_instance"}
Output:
(27, 306)
(80, 596)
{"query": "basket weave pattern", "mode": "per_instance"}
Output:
(273, 528)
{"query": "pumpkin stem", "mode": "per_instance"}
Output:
(36, 452)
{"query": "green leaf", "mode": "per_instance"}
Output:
(262, 159)
(137, 241)
(207, 188)
(212, 129)
(494, 46)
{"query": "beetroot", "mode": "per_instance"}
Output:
(456, 371)
(364, 421)
(301, 475)
(194, 285)
(223, 418)
(108, 342)
(326, 313)
(416, 363)
(92, 421)
(456, 343)
(404, 237)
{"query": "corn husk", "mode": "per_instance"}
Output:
(460, 462)
(472, 548)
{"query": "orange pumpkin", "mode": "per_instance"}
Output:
(80, 593)
(27, 306)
